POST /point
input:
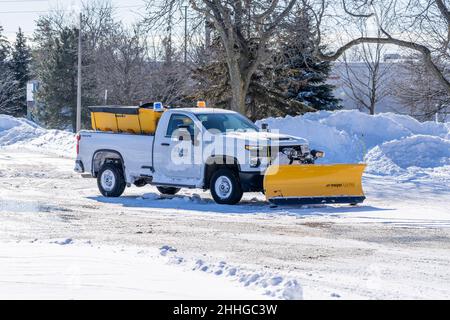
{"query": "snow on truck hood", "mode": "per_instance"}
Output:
(258, 136)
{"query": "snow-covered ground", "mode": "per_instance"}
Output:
(63, 270)
(395, 245)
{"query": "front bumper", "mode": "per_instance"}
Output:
(251, 181)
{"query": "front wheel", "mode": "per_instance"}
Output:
(225, 187)
(110, 180)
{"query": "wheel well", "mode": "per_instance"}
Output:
(215, 163)
(105, 156)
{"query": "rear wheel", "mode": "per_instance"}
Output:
(110, 180)
(168, 190)
(225, 187)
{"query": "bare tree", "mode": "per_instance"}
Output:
(245, 28)
(115, 58)
(366, 78)
(419, 25)
(123, 67)
(419, 92)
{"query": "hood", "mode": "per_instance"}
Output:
(259, 137)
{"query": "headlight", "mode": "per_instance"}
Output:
(317, 154)
(304, 148)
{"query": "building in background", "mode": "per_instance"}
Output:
(353, 83)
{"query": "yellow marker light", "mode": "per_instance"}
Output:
(250, 148)
(201, 104)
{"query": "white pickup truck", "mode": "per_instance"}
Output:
(203, 148)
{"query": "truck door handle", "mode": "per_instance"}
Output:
(165, 144)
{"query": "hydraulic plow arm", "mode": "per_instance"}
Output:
(314, 184)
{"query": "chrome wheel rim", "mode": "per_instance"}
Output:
(108, 180)
(223, 187)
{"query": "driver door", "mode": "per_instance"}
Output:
(174, 149)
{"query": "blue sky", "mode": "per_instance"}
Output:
(18, 13)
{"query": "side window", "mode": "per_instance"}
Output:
(177, 120)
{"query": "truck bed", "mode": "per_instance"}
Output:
(135, 150)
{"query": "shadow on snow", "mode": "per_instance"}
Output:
(196, 203)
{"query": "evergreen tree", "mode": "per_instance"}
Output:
(57, 74)
(8, 86)
(9, 94)
(20, 67)
(4, 50)
(301, 76)
(263, 99)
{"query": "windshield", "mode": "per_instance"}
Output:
(223, 122)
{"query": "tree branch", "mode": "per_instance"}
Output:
(268, 12)
(278, 19)
(426, 53)
(356, 15)
(444, 10)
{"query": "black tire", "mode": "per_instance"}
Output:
(168, 190)
(234, 193)
(117, 185)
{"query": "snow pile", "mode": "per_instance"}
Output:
(389, 143)
(22, 133)
(320, 135)
(421, 151)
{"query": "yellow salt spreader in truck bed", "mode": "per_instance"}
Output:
(126, 119)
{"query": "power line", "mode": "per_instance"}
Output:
(48, 11)
(15, 1)
(30, 11)
(15, 31)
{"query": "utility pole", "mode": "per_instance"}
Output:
(207, 33)
(185, 34)
(79, 79)
(106, 97)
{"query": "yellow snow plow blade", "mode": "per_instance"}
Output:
(314, 184)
